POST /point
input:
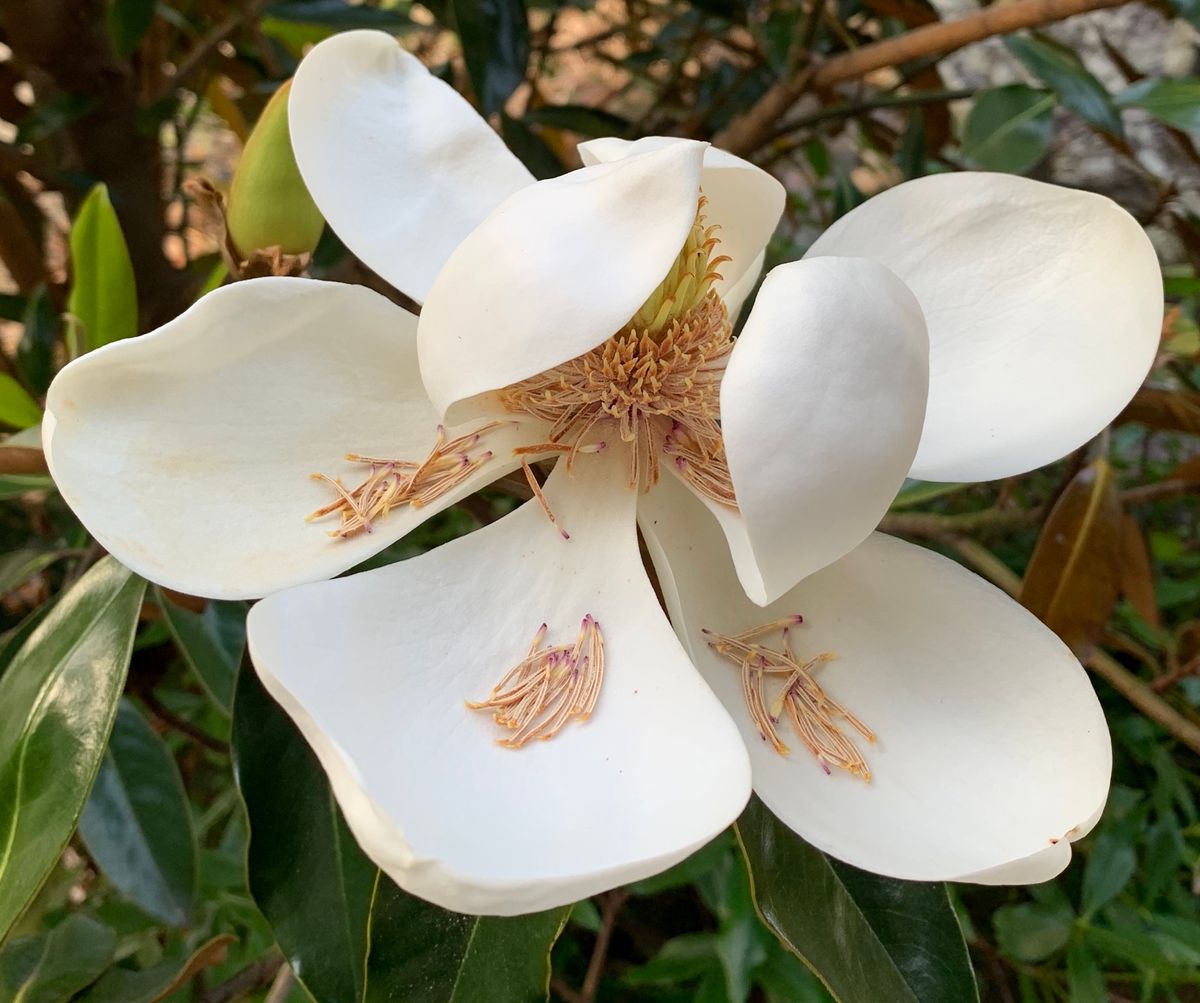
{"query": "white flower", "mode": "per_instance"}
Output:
(982, 324)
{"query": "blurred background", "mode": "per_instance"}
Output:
(122, 123)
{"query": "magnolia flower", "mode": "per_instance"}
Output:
(510, 722)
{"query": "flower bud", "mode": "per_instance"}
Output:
(269, 205)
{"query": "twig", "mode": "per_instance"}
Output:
(1144, 698)
(610, 907)
(254, 976)
(204, 49)
(935, 524)
(749, 131)
(281, 988)
(173, 720)
(565, 991)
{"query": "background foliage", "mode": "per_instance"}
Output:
(164, 832)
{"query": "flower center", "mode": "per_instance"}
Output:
(657, 381)
(814, 716)
(549, 687)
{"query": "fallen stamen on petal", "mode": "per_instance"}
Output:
(393, 483)
(549, 687)
(816, 718)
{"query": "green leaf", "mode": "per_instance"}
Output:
(211, 643)
(1060, 68)
(1084, 976)
(1033, 931)
(52, 967)
(529, 147)
(349, 933)
(16, 485)
(868, 938)
(1008, 128)
(578, 118)
(150, 985)
(17, 408)
(128, 22)
(58, 699)
(1110, 867)
(35, 351)
(103, 294)
(495, 42)
(18, 566)
(137, 824)
(1176, 102)
(338, 14)
(918, 492)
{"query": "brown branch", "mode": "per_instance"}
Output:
(195, 60)
(173, 720)
(1144, 698)
(610, 907)
(748, 132)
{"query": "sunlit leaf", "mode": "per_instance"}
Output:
(17, 408)
(1074, 575)
(103, 297)
(58, 699)
(869, 938)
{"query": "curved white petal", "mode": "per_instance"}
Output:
(744, 200)
(555, 271)
(1044, 308)
(821, 411)
(737, 294)
(375, 669)
(188, 452)
(401, 166)
(992, 751)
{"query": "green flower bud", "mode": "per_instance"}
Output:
(269, 205)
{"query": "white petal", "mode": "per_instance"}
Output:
(555, 271)
(744, 200)
(375, 669)
(1044, 308)
(188, 452)
(401, 166)
(821, 410)
(992, 751)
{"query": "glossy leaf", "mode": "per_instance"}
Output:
(868, 938)
(17, 408)
(1074, 575)
(52, 967)
(1008, 128)
(58, 699)
(103, 298)
(137, 824)
(386, 946)
(1175, 102)
(495, 42)
(211, 643)
(1061, 69)
(156, 983)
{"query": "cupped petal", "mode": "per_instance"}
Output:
(992, 753)
(743, 200)
(1044, 308)
(188, 452)
(399, 163)
(555, 271)
(375, 669)
(821, 411)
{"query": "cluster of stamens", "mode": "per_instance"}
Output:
(549, 687)
(391, 484)
(657, 380)
(814, 716)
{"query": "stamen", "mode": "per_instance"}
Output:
(538, 494)
(549, 687)
(393, 483)
(815, 717)
(657, 381)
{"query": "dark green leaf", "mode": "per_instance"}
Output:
(1060, 68)
(103, 297)
(1176, 102)
(868, 938)
(18, 566)
(156, 983)
(530, 148)
(12, 641)
(1008, 128)
(1084, 977)
(578, 118)
(211, 643)
(349, 933)
(35, 350)
(679, 960)
(495, 42)
(128, 22)
(57, 703)
(338, 14)
(1032, 931)
(1110, 867)
(910, 158)
(137, 824)
(52, 967)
